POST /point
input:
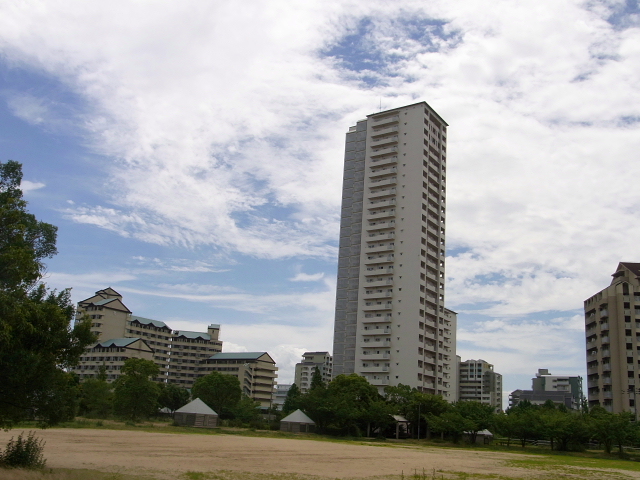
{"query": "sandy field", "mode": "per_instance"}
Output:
(165, 455)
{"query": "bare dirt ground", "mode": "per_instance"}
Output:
(164, 455)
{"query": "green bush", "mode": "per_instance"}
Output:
(23, 452)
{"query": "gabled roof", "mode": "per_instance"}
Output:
(117, 342)
(187, 334)
(148, 321)
(108, 291)
(104, 301)
(240, 356)
(197, 406)
(633, 267)
(298, 417)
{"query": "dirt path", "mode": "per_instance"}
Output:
(168, 455)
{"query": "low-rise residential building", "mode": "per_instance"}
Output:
(310, 361)
(255, 370)
(478, 382)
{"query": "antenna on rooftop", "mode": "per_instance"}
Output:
(380, 103)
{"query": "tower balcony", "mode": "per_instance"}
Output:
(382, 151)
(383, 319)
(379, 283)
(382, 182)
(379, 271)
(381, 132)
(376, 331)
(380, 225)
(390, 212)
(373, 344)
(381, 161)
(386, 120)
(371, 296)
(381, 203)
(383, 141)
(383, 171)
(385, 192)
(375, 356)
(378, 260)
(381, 248)
(376, 237)
(377, 306)
(374, 369)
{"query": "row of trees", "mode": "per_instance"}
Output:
(134, 395)
(349, 405)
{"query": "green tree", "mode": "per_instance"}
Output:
(221, 392)
(451, 424)
(37, 343)
(292, 402)
(172, 396)
(96, 396)
(416, 406)
(135, 393)
(316, 379)
(479, 415)
(247, 411)
(344, 404)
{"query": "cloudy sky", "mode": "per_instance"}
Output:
(191, 153)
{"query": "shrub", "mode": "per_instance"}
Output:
(23, 452)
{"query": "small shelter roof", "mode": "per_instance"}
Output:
(399, 418)
(298, 417)
(197, 406)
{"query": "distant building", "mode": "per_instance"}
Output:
(280, 395)
(478, 382)
(111, 354)
(182, 356)
(188, 351)
(560, 389)
(612, 324)
(304, 370)
(255, 370)
(177, 353)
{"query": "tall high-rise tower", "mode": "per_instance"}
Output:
(391, 326)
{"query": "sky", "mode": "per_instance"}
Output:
(191, 155)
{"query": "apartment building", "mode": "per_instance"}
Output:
(391, 325)
(478, 382)
(280, 395)
(256, 371)
(310, 361)
(188, 351)
(111, 354)
(177, 353)
(560, 389)
(612, 329)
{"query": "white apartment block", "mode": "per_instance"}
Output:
(310, 361)
(478, 382)
(391, 325)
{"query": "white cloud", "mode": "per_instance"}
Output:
(28, 186)
(229, 134)
(306, 277)
(28, 108)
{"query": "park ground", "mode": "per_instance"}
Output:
(130, 454)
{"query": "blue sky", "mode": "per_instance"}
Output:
(191, 156)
